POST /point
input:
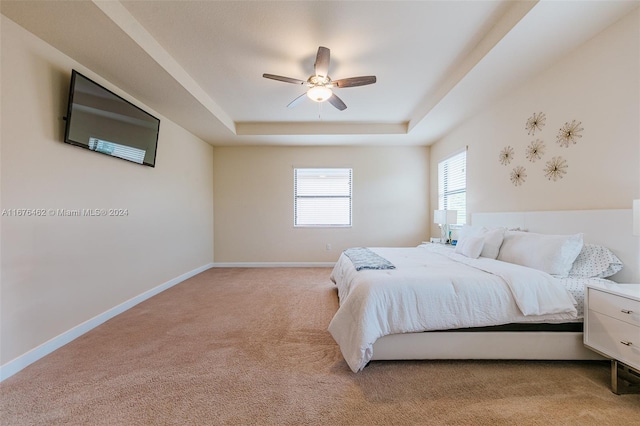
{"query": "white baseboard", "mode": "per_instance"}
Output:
(17, 364)
(274, 264)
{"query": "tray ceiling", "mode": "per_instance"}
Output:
(200, 63)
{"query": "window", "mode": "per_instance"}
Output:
(452, 185)
(322, 197)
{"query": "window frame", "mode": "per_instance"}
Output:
(444, 194)
(320, 171)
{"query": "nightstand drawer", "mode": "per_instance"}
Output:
(624, 309)
(614, 338)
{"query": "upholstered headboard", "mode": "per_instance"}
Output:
(610, 228)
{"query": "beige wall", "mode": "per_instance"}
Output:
(597, 84)
(253, 194)
(58, 272)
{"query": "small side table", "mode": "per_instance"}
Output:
(612, 328)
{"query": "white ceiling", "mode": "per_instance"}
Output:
(200, 63)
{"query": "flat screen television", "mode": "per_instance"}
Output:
(101, 121)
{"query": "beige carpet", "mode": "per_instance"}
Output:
(250, 346)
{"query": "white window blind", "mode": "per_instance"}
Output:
(322, 197)
(452, 185)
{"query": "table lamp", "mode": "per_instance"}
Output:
(444, 218)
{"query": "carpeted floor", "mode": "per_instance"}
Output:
(250, 346)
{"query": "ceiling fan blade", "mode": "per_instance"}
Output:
(355, 81)
(285, 79)
(297, 100)
(337, 102)
(321, 66)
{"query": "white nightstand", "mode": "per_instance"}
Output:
(612, 328)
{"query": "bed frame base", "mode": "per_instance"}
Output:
(607, 227)
(484, 345)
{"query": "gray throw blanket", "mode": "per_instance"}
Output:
(363, 258)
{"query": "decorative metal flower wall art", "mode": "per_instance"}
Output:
(555, 168)
(535, 122)
(506, 155)
(518, 175)
(569, 133)
(535, 150)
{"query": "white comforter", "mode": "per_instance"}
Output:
(435, 289)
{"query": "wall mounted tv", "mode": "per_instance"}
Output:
(101, 121)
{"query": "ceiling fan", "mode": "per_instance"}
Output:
(320, 84)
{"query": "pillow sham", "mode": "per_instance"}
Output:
(595, 261)
(553, 254)
(470, 246)
(492, 238)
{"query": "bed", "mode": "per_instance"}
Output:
(541, 321)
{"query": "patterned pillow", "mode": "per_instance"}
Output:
(595, 261)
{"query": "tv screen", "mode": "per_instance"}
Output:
(101, 121)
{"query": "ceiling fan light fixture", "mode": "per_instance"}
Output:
(319, 93)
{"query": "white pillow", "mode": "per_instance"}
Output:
(470, 246)
(595, 261)
(553, 254)
(492, 238)
(492, 242)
